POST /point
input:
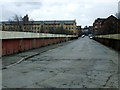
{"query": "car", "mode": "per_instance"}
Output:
(83, 36)
(91, 37)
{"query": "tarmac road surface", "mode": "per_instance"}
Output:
(83, 63)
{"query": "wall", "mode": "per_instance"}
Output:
(14, 42)
(109, 40)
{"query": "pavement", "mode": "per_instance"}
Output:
(11, 59)
(81, 63)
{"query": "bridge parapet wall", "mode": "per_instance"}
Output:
(16, 35)
(14, 42)
(111, 40)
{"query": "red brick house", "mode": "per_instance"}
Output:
(97, 25)
(110, 26)
(79, 30)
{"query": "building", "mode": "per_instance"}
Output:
(79, 30)
(55, 26)
(110, 26)
(97, 25)
(90, 30)
(85, 30)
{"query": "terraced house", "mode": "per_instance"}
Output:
(54, 26)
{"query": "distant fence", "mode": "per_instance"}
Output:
(111, 40)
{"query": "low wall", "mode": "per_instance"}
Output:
(14, 42)
(112, 40)
(18, 35)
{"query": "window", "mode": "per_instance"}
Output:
(66, 27)
(113, 22)
(72, 27)
(96, 27)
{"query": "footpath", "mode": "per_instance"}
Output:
(19, 57)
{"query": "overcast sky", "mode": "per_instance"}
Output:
(84, 11)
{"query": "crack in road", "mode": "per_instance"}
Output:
(107, 81)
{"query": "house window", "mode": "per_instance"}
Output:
(96, 26)
(66, 27)
(113, 22)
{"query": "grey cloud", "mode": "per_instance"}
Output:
(28, 3)
(85, 12)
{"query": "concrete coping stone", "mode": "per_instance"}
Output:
(110, 36)
(16, 35)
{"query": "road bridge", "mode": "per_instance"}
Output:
(81, 63)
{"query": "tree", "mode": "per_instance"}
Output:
(16, 22)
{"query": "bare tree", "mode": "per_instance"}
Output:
(16, 23)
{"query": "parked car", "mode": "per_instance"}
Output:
(83, 36)
(90, 36)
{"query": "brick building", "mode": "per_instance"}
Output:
(90, 30)
(79, 30)
(110, 26)
(97, 25)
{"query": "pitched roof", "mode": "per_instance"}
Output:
(111, 16)
(100, 19)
